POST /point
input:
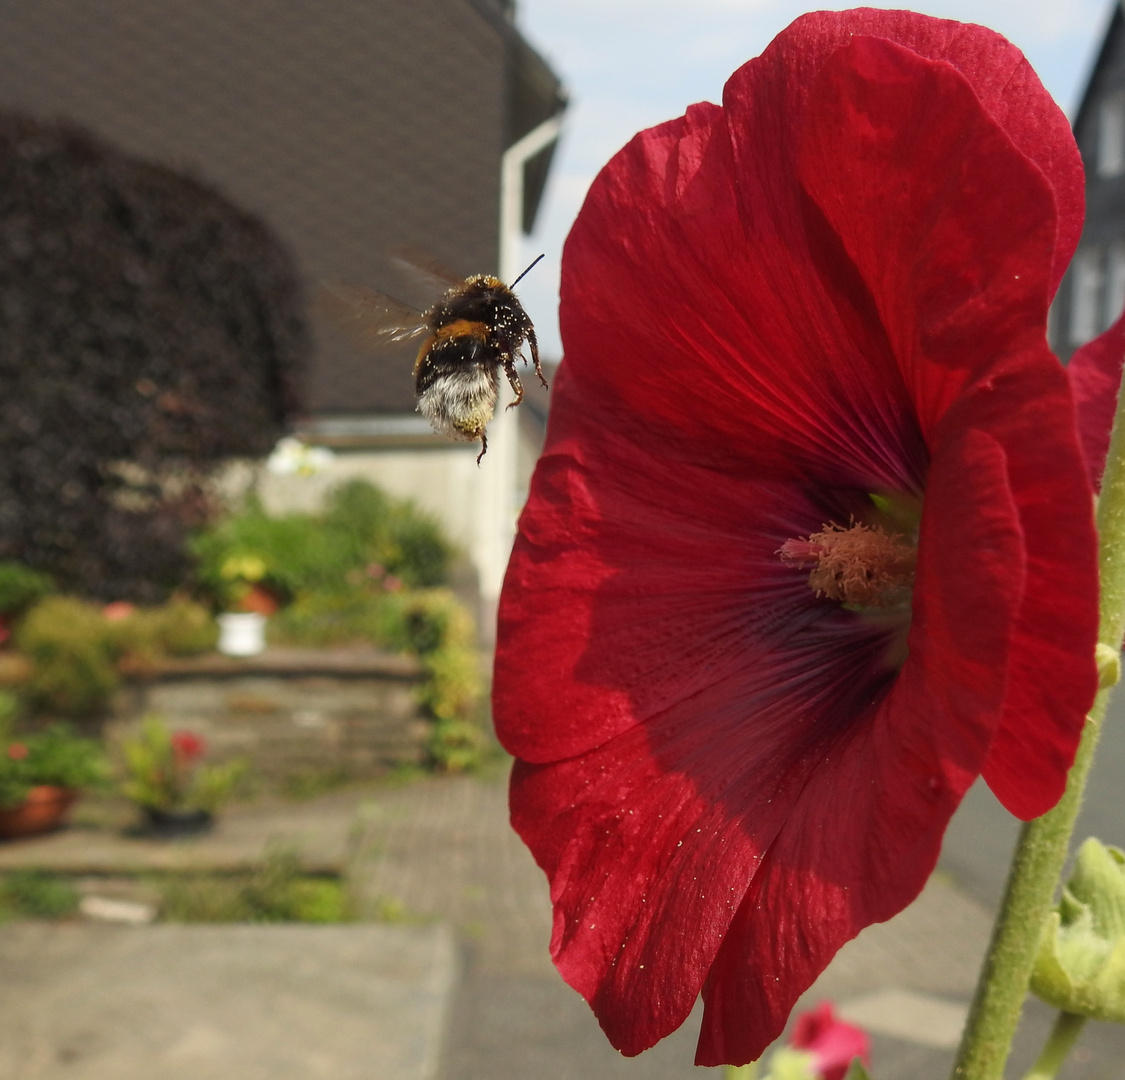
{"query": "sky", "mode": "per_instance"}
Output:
(630, 64)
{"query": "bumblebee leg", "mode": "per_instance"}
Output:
(535, 356)
(483, 446)
(513, 381)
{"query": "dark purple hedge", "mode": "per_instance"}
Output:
(148, 331)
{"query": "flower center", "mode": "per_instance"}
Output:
(860, 566)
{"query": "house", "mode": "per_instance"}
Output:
(351, 128)
(1092, 295)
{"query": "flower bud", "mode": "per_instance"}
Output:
(1081, 963)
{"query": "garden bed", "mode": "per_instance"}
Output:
(349, 712)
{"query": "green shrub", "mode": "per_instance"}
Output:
(439, 631)
(278, 891)
(390, 533)
(53, 755)
(71, 647)
(20, 587)
(180, 627)
(36, 894)
(363, 539)
(321, 619)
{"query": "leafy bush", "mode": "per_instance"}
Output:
(390, 533)
(36, 894)
(52, 755)
(362, 538)
(20, 587)
(76, 652)
(278, 891)
(181, 627)
(72, 651)
(439, 631)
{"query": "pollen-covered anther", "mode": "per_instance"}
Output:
(856, 564)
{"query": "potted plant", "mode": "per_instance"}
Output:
(41, 774)
(167, 778)
(249, 601)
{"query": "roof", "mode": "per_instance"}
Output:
(350, 127)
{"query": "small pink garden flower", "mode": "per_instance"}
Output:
(832, 1042)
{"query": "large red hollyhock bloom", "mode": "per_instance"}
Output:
(811, 321)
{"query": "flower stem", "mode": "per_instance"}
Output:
(1042, 847)
(1067, 1028)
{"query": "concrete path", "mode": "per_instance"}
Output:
(469, 958)
(293, 1002)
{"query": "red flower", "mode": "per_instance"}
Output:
(187, 746)
(1095, 377)
(832, 1043)
(17, 751)
(811, 321)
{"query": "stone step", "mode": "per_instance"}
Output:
(279, 1002)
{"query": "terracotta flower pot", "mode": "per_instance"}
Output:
(44, 809)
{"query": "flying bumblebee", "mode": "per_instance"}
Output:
(473, 330)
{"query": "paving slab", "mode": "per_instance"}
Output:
(317, 831)
(444, 849)
(293, 1002)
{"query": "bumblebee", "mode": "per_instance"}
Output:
(474, 330)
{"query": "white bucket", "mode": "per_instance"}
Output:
(242, 633)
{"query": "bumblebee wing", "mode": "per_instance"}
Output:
(371, 318)
(421, 268)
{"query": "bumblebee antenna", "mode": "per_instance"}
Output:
(524, 274)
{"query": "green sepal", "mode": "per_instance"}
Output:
(856, 1071)
(1080, 967)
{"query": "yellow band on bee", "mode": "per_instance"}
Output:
(461, 328)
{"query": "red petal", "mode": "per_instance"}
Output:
(945, 221)
(865, 834)
(718, 304)
(999, 74)
(1095, 379)
(948, 228)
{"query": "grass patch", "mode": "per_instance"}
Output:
(279, 891)
(37, 894)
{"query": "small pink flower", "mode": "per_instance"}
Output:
(187, 746)
(17, 751)
(118, 610)
(832, 1042)
(391, 583)
(376, 571)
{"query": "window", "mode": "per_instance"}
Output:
(1114, 284)
(1086, 308)
(1111, 134)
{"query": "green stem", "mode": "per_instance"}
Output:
(1067, 1028)
(1043, 843)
